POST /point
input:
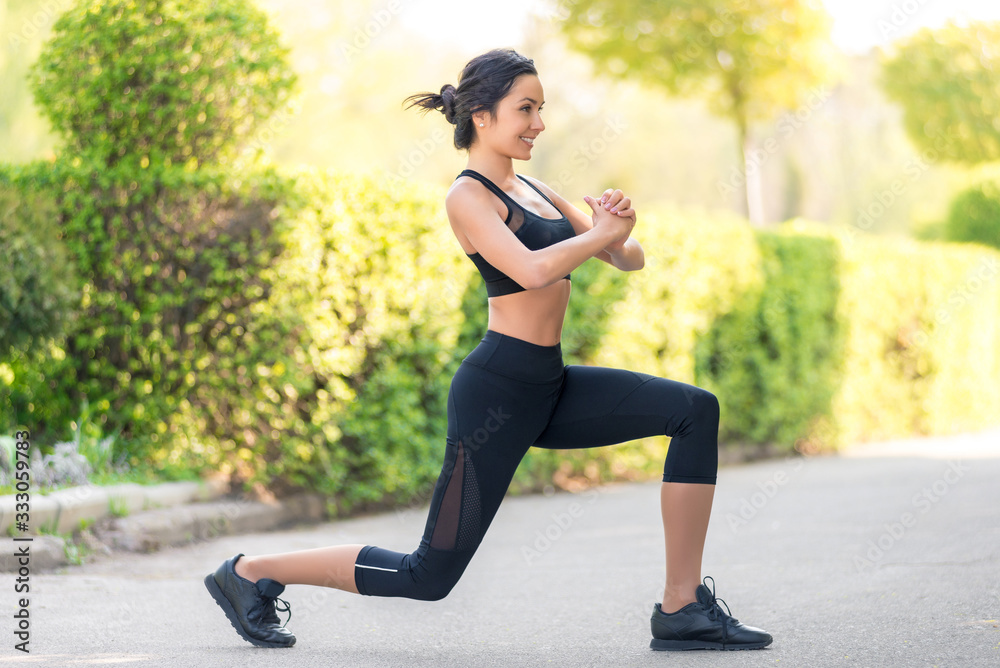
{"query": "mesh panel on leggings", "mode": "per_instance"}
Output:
(468, 525)
(446, 522)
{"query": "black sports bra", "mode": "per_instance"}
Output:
(533, 230)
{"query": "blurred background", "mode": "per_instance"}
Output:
(358, 61)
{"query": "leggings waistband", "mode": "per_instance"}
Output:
(518, 359)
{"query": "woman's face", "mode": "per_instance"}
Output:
(518, 121)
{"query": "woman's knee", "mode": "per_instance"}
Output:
(438, 573)
(704, 404)
(434, 590)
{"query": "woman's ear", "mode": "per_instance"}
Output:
(479, 119)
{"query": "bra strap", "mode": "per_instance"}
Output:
(489, 184)
(539, 192)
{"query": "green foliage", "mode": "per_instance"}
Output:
(369, 285)
(774, 360)
(975, 215)
(117, 507)
(90, 441)
(162, 81)
(948, 83)
(319, 355)
(920, 354)
(169, 265)
(748, 59)
(38, 286)
(697, 267)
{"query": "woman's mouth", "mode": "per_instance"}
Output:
(530, 141)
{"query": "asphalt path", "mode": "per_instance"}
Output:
(886, 557)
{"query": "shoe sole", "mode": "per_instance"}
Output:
(680, 645)
(216, 591)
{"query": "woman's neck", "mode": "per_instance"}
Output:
(496, 167)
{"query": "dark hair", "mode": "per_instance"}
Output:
(485, 81)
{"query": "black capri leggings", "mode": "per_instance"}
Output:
(508, 395)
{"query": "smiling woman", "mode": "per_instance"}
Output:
(513, 391)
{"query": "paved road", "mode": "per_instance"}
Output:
(887, 559)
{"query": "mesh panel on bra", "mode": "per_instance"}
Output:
(516, 217)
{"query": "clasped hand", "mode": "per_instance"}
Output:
(613, 209)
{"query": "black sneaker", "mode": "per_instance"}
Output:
(249, 606)
(703, 625)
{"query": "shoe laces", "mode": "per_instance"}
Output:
(714, 610)
(269, 613)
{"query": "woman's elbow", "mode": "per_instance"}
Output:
(534, 275)
(532, 280)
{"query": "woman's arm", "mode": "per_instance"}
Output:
(473, 216)
(625, 253)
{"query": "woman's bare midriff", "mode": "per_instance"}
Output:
(533, 315)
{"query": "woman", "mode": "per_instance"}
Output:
(513, 390)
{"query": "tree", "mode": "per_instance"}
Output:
(749, 59)
(948, 83)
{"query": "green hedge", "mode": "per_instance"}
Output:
(301, 344)
(812, 339)
(372, 280)
(168, 262)
(774, 359)
(922, 353)
(299, 329)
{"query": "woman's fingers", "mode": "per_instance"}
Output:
(614, 199)
(615, 202)
(622, 204)
(595, 205)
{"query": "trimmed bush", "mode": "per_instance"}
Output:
(812, 340)
(182, 82)
(774, 359)
(372, 281)
(169, 266)
(303, 344)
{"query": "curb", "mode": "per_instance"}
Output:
(64, 510)
(142, 518)
(156, 529)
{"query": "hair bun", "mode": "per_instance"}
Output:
(448, 102)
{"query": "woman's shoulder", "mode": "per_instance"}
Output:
(466, 198)
(464, 191)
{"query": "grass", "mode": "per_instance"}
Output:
(108, 461)
(118, 506)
